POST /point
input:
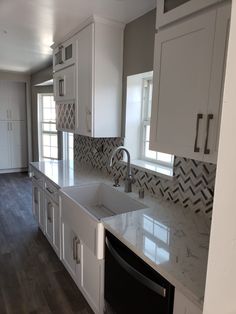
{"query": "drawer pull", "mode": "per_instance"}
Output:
(206, 149)
(74, 247)
(49, 190)
(77, 244)
(49, 207)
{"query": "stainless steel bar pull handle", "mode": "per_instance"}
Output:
(49, 207)
(196, 148)
(77, 244)
(209, 118)
(74, 247)
(61, 87)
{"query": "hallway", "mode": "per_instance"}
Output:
(32, 279)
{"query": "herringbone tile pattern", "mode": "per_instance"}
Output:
(192, 186)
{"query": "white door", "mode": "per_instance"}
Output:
(91, 279)
(18, 143)
(4, 100)
(212, 129)
(5, 156)
(71, 252)
(84, 68)
(17, 101)
(182, 73)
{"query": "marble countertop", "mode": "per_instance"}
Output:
(171, 239)
(65, 173)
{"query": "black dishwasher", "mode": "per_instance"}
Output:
(132, 286)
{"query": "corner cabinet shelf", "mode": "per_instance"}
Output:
(188, 83)
(93, 83)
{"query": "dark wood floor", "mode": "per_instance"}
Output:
(32, 279)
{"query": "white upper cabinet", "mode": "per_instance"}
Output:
(188, 82)
(64, 55)
(64, 85)
(169, 11)
(98, 49)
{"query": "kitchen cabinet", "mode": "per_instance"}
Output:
(52, 223)
(13, 127)
(64, 85)
(188, 83)
(46, 209)
(97, 84)
(92, 272)
(71, 251)
(64, 55)
(18, 142)
(5, 156)
(184, 306)
(79, 252)
(169, 11)
(38, 205)
(13, 145)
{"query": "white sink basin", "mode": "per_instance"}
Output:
(82, 208)
(101, 200)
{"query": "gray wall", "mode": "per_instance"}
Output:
(139, 38)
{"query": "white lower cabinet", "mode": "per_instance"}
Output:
(183, 306)
(92, 274)
(71, 252)
(52, 223)
(38, 205)
(80, 260)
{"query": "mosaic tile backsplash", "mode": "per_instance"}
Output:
(192, 186)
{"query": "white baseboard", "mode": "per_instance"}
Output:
(2, 171)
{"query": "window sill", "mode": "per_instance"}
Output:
(164, 172)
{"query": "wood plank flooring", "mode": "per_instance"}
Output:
(32, 279)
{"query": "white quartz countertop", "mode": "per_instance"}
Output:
(171, 239)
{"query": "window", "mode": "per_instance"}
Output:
(48, 136)
(68, 146)
(137, 127)
(146, 153)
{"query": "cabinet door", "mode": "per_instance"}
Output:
(5, 156)
(49, 217)
(182, 73)
(18, 144)
(85, 66)
(183, 306)
(91, 279)
(41, 210)
(17, 101)
(36, 202)
(71, 252)
(4, 100)
(217, 83)
(171, 10)
(64, 84)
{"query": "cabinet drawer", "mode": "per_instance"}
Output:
(37, 178)
(52, 191)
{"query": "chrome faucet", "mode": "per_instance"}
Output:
(129, 180)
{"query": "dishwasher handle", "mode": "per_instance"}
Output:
(135, 273)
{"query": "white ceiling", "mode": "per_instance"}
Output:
(29, 27)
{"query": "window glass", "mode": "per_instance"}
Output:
(48, 135)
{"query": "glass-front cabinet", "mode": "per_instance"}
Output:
(64, 55)
(169, 11)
